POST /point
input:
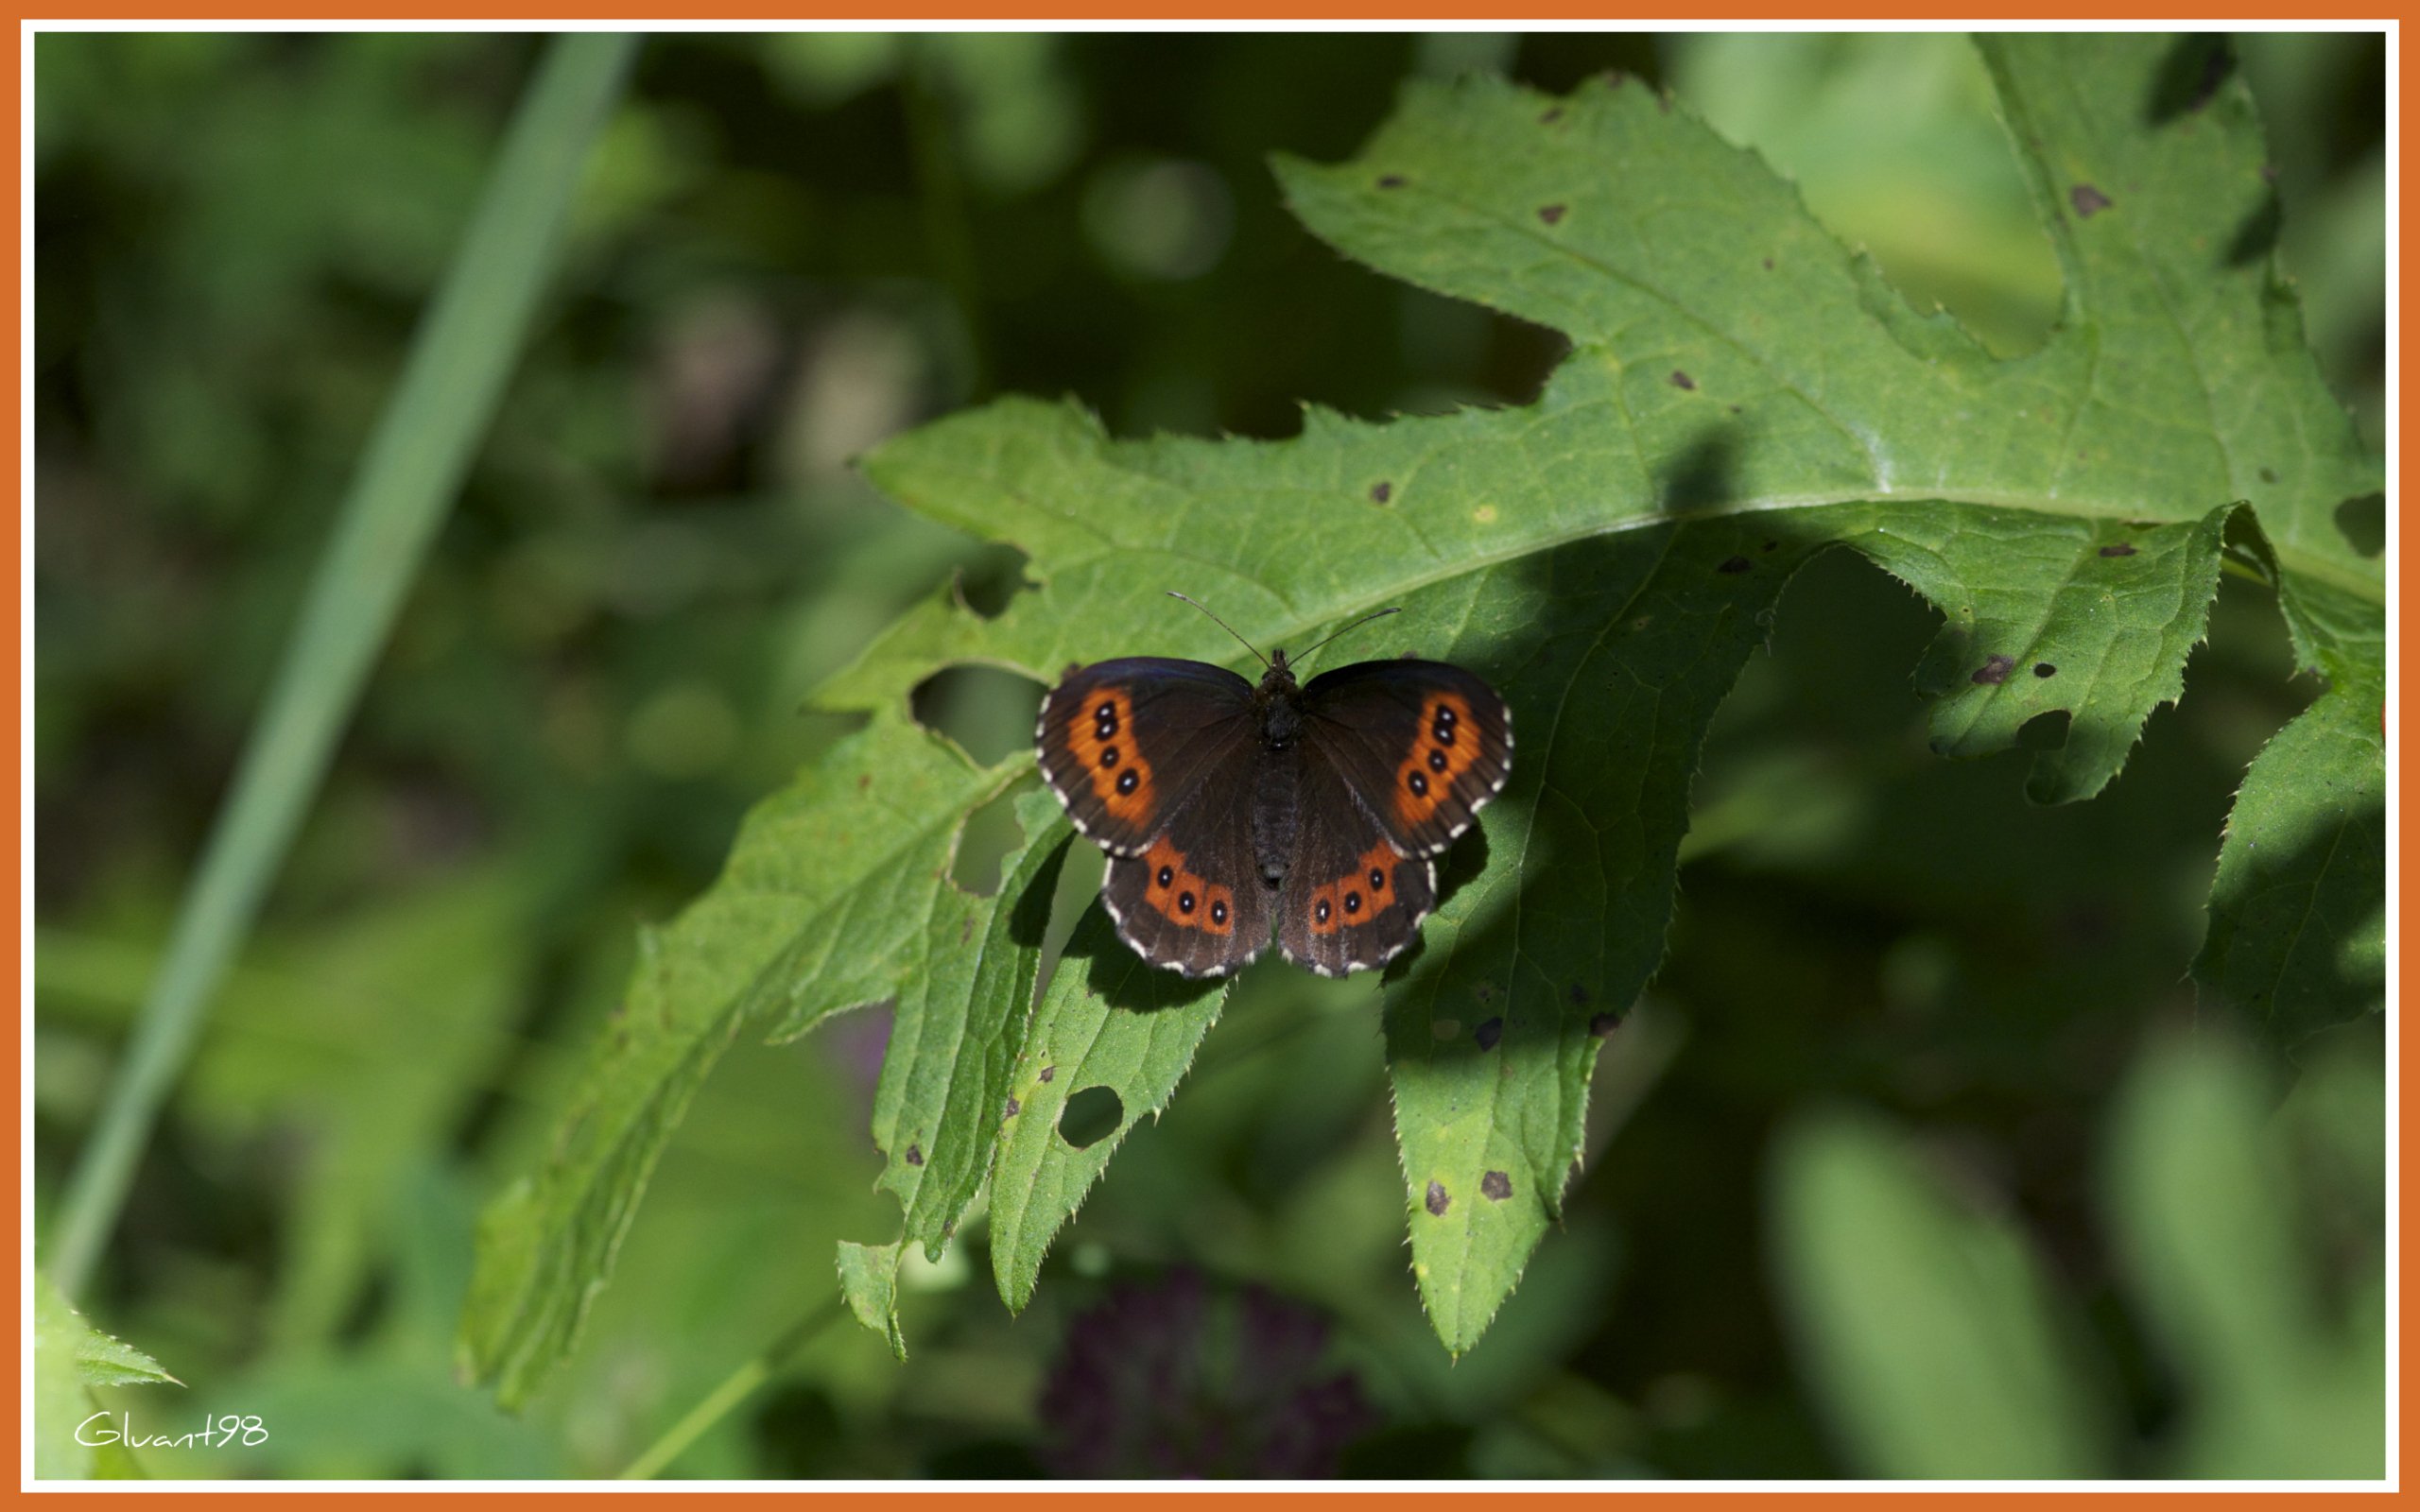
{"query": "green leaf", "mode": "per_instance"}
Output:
(960, 1022)
(1927, 1328)
(870, 1282)
(1742, 392)
(960, 1026)
(71, 1357)
(1106, 1020)
(821, 907)
(2297, 935)
(2210, 1236)
(2297, 930)
(99, 1360)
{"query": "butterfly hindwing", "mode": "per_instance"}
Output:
(1125, 743)
(1424, 744)
(1352, 901)
(1193, 899)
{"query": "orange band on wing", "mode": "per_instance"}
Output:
(1185, 898)
(1359, 895)
(1446, 748)
(1100, 737)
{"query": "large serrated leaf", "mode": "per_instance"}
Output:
(1742, 392)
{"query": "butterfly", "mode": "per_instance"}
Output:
(1225, 806)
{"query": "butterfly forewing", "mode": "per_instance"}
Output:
(1423, 745)
(1124, 743)
(1352, 899)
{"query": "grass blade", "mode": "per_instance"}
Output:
(460, 357)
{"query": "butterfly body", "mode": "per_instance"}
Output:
(1226, 805)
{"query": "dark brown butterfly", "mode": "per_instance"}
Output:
(1223, 805)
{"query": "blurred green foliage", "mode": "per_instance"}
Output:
(1930, 1330)
(791, 247)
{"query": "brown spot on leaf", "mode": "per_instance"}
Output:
(1682, 380)
(865, 780)
(1438, 1201)
(1995, 670)
(1049, 1072)
(1734, 565)
(2088, 201)
(915, 1155)
(1488, 1033)
(1381, 492)
(1015, 1107)
(2268, 474)
(1551, 117)
(1495, 1185)
(1550, 214)
(2123, 548)
(1391, 181)
(1769, 265)
(2044, 669)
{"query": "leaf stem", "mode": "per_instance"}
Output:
(733, 1391)
(409, 473)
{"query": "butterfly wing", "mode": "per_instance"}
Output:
(1125, 743)
(1156, 762)
(1193, 899)
(1351, 899)
(1423, 745)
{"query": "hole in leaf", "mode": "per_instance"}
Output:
(1091, 1116)
(2045, 731)
(992, 579)
(2363, 522)
(2189, 77)
(989, 834)
(989, 713)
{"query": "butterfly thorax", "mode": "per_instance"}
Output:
(1277, 704)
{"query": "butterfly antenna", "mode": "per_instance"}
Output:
(1222, 625)
(1373, 614)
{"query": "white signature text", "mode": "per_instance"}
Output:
(218, 1433)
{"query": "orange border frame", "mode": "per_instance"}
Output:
(11, 552)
